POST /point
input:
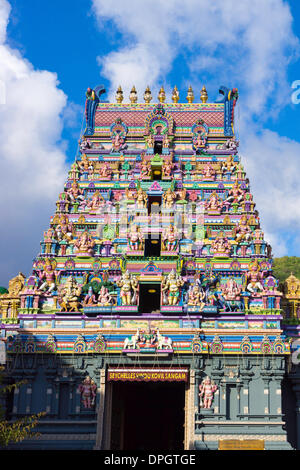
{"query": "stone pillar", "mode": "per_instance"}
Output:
(244, 397)
(266, 381)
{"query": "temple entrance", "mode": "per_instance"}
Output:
(147, 416)
(152, 246)
(149, 298)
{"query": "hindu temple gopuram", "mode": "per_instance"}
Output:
(151, 318)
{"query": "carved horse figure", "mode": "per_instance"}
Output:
(163, 341)
(131, 342)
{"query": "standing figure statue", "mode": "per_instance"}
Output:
(88, 392)
(135, 238)
(170, 238)
(171, 288)
(207, 390)
(141, 199)
(48, 277)
(254, 279)
(242, 231)
(129, 287)
(168, 198)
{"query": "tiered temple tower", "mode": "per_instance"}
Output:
(151, 316)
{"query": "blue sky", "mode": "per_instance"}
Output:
(51, 51)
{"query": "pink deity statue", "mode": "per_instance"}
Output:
(145, 168)
(48, 278)
(135, 238)
(220, 245)
(117, 141)
(88, 392)
(214, 203)
(65, 229)
(167, 168)
(199, 141)
(105, 171)
(208, 172)
(254, 279)
(207, 390)
(231, 290)
(85, 244)
(104, 298)
(96, 202)
(196, 297)
(170, 238)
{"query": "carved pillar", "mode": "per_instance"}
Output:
(101, 391)
(244, 397)
(266, 381)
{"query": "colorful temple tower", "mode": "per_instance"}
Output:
(151, 318)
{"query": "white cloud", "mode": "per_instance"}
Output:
(247, 45)
(32, 158)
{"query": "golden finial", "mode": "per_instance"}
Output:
(175, 95)
(133, 95)
(147, 95)
(204, 95)
(190, 95)
(119, 95)
(161, 95)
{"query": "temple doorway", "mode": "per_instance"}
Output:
(148, 416)
(149, 298)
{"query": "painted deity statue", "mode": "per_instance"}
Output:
(150, 141)
(243, 231)
(196, 297)
(168, 198)
(231, 290)
(209, 173)
(48, 277)
(141, 199)
(96, 202)
(214, 203)
(85, 244)
(171, 288)
(65, 229)
(167, 168)
(75, 193)
(69, 294)
(129, 287)
(135, 238)
(170, 238)
(229, 165)
(220, 245)
(254, 279)
(105, 171)
(90, 298)
(88, 392)
(145, 168)
(118, 141)
(104, 297)
(235, 194)
(199, 141)
(207, 390)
